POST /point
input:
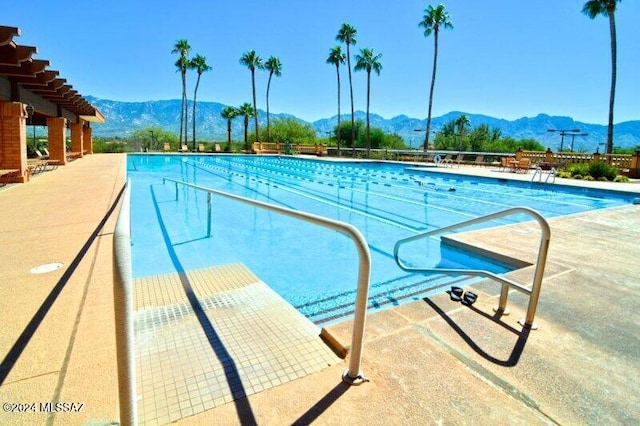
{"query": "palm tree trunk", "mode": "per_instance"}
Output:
(255, 109)
(268, 123)
(229, 131)
(184, 105)
(368, 97)
(182, 109)
(338, 131)
(612, 94)
(246, 126)
(353, 121)
(193, 119)
(433, 83)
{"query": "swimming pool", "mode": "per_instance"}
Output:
(313, 268)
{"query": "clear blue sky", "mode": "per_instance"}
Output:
(504, 58)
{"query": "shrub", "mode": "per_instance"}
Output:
(564, 174)
(588, 177)
(579, 177)
(621, 178)
(599, 169)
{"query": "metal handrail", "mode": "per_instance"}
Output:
(533, 292)
(538, 172)
(353, 375)
(123, 312)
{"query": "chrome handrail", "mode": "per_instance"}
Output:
(353, 375)
(538, 172)
(533, 292)
(123, 312)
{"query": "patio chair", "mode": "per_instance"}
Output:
(201, 147)
(167, 147)
(217, 148)
(479, 161)
(184, 148)
(45, 159)
(523, 166)
(459, 159)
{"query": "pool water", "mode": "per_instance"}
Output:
(313, 268)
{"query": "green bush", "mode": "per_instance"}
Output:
(599, 169)
(621, 178)
(588, 177)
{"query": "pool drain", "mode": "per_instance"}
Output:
(48, 267)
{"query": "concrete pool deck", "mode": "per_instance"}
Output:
(430, 361)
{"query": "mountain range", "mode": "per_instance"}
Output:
(124, 118)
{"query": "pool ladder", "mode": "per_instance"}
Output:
(533, 292)
(538, 174)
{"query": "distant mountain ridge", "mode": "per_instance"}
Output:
(123, 118)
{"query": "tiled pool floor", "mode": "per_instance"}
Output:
(211, 336)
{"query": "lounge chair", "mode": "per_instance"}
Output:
(184, 148)
(201, 147)
(45, 158)
(167, 147)
(479, 161)
(217, 148)
(35, 165)
(459, 159)
(523, 166)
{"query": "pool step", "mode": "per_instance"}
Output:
(211, 336)
(337, 307)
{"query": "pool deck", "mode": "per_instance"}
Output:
(431, 361)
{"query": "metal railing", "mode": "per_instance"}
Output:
(533, 292)
(538, 174)
(352, 375)
(123, 312)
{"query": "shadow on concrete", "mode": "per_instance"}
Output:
(243, 406)
(517, 350)
(21, 343)
(321, 406)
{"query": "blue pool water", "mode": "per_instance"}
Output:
(313, 268)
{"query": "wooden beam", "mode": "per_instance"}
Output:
(12, 54)
(7, 33)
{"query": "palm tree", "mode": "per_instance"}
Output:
(461, 123)
(199, 63)
(593, 8)
(367, 61)
(182, 47)
(252, 61)
(248, 111)
(433, 19)
(229, 113)
(274, 66)
(347, 35)
(336, 57)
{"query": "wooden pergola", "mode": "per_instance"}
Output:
(33, 94)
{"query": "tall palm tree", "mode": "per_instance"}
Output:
(347, 35)
(252, 61)
(366, 60)
(247, 110)
(432, 21)
(229, 113)
(593, 8)
(274, 66)
(182, 48)
(199, 63)
(461, 123)
(336, 57)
